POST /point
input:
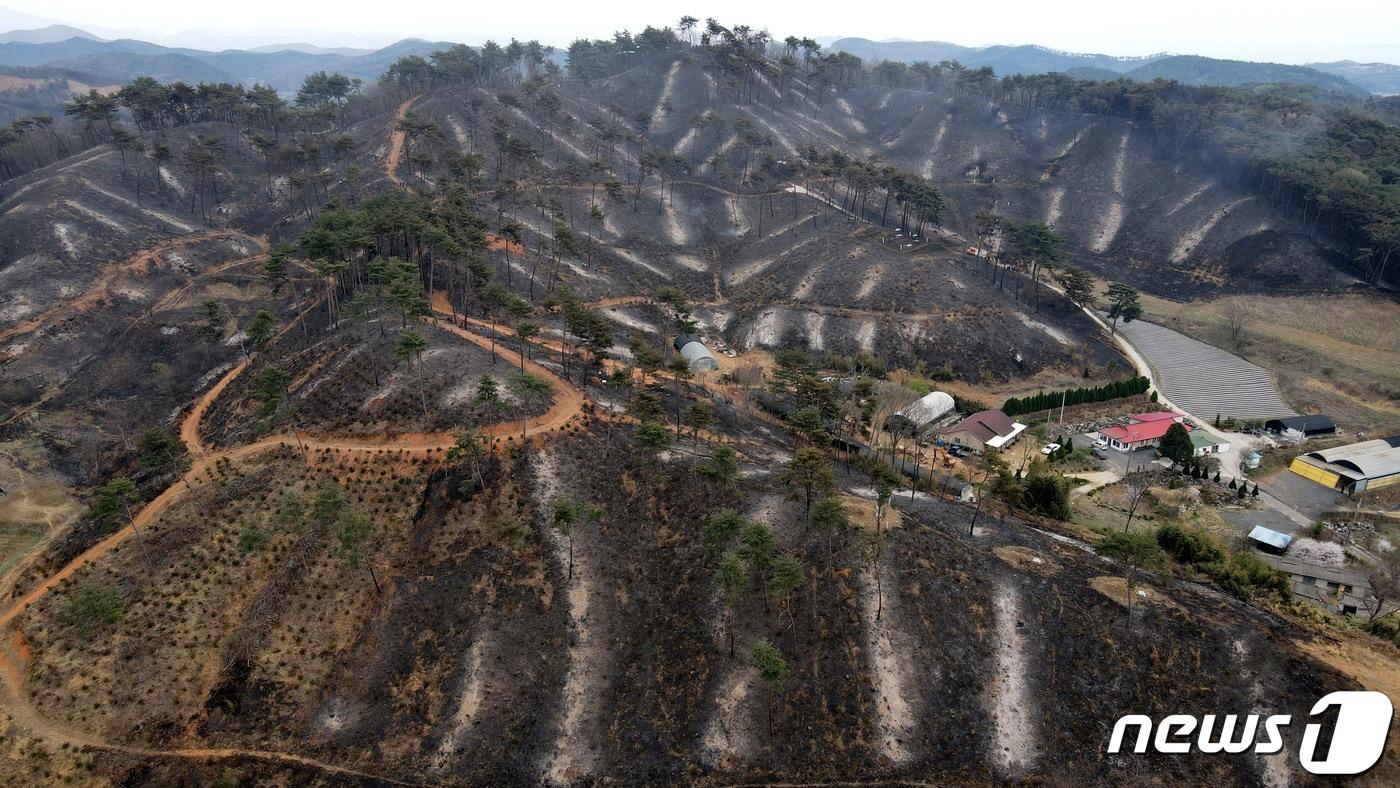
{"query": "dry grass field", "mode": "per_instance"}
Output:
(15, 541)
(1334, 354)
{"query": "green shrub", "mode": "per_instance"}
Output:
(1187, 547)
(94, 604)
(1048, 400)
(1047, 495)
(1245, 576)
(251, 536)
(1241, 575)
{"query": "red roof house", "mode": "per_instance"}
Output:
(1140, 434)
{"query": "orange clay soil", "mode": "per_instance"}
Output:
(568, 404)
(141, 262)
(396, 140)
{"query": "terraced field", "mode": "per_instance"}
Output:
(1204, 379)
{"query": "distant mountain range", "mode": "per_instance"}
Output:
(283, 66)
(1379, 78)
(310, 49)
(1344, 77)
(1197, 70)
(1025, 59)
(46, 35)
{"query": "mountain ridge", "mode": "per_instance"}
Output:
(1189, 69)
(46, 35)
(283, 69)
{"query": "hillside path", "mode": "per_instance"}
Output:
(139, 262)
(396, 142)
(568, 404)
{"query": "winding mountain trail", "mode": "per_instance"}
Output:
(189, 427)
(138, 263)
(568, 404)
(21, 711)
(396, 141)
(89, 298)
(173, 297)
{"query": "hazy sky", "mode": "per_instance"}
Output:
(1282, 30)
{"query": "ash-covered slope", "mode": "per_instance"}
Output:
(729, 206)
(482, 657)
(1128, 209)
(771, 263)
(484, 645)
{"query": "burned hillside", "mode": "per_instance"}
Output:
(387, 468)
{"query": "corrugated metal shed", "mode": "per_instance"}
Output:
(685, 339)
(1315, 471)
(1358, 466)
(1270, 539)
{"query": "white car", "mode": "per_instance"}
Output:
(1101, 443)
(1049, 448)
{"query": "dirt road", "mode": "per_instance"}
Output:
(568, 405)
(100, 288)
(16, 702)
(396, 141)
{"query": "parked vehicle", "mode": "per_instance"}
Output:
(1100, 453)
(1049, 448)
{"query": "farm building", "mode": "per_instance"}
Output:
(1304, 426)
(1338, 589)
(1354, 468)
(922, 414)
(987, 429)
(1144, 430)
(696, 353)
(1204, 443)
